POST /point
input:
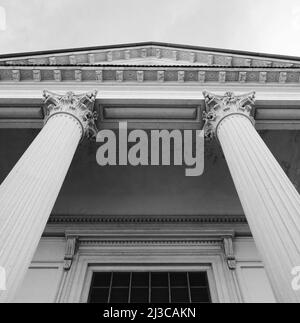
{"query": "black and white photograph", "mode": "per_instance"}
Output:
(149, 155)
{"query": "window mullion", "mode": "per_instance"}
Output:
(110, 287)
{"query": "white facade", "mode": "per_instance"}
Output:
(150, 220)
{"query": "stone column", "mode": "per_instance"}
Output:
(270, 201)
(29, 192)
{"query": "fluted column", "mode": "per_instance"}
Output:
(29, 192)
(270, 201)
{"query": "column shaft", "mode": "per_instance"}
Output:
(28, 194)
(269, 199)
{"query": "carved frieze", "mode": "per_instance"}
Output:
(174, 55)
(127, 54)
(119, 76)
(109, 56)
(36, 75)
(140, 76)
(228, 61)
(78, 75)
(161, 76)
(52, 60)
(72, 59)
(158, 53)
(99, 75)
(91, 58)
(171, 74)
(181, 75)
(144, 53)
(262, 77)
(282, 77)
(57, 75)
(192, 57)
(201, 76)
(210, 59)
(222, 77)
(242, 77)
(16, 76)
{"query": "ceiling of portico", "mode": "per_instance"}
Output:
(90, 189)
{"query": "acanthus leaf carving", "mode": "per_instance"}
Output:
(219, 107)
(80, 106)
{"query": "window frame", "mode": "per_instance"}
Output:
(150, 268)
(112, 249)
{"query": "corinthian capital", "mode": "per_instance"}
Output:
(79, 106)
(218, 107)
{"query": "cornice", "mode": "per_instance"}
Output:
(149, 243)
(192, 54)
(149, 43)
(144, 74)
(61, 219)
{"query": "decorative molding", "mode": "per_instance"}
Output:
(140, 76)
(57, 75)
(158, 53)
(135, 237)
(72, 59)
(194, 74)
(282, 77)
(16, 75)
(161, 76)
(36, 75)
(79, 106)
(201, 76)
(119, 76)
(210, 59)
(228, 61)
(150, 242)
(222, 76)
(248, 62)
(229, 252)
(109, 56)
(99, 75)
(127, 54)
(70, 251)
(91, 58)
(146, 219)
(78, 75)
(192, 57)
(218, 107)
(242, 77)
(52, 60)
(181, 75)
(144, 53)
(262, 77)
(180, 56)
(175, 55)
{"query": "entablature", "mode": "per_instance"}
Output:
(151, 113)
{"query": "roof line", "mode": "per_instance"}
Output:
(145, 65)
(150, 43)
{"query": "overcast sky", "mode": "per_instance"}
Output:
(270, 26)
